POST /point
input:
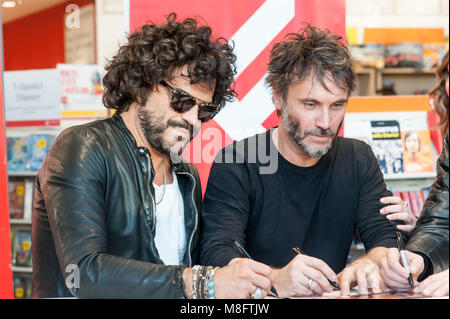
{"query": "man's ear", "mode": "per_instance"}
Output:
(277, 100)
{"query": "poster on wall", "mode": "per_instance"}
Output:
(400, 140)
(32, 98)
(81, 90)
(254, 27)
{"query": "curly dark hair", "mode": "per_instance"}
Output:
(310, 50)
(439, 95)
(154, 52)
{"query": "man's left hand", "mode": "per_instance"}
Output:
(363, 271)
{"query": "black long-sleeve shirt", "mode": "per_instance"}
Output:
(315, 208)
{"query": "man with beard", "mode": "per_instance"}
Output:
(116, 209)
(324, 188)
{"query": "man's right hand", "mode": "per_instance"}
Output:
(240, 278)
(394, 275)
(303, 276)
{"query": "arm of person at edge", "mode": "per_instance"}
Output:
(396, 210)
(75, 170)
(427, 249)
(376, 232)
(225, 212)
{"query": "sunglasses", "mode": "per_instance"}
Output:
(182, 102)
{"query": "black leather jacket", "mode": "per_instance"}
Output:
(93, 215)
(430, 236)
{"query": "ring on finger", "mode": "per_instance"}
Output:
(310, 283)
(405, 204)
(257, 294)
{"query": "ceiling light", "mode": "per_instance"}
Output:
(8, 4)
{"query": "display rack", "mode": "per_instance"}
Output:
(407, 81)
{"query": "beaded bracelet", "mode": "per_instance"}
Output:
(202, 282)
(203, 286)
(209, 292)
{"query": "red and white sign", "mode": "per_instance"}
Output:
(254, 26)
(6, 278)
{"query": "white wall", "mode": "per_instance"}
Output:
(110, 24)
(397, 14)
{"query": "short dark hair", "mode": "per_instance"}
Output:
(154, 52)
(311, 50)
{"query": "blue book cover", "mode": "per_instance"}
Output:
(17, 153)
(39, 145)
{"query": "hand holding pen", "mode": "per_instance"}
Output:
(241, 250)
(297, 251)
(405, 263)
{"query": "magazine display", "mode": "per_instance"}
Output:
(400, 140)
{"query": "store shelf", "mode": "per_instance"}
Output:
(14, 221)
(407, 81)
(407, 71)
(366, 78)
(23, 174)
(22, 269)
(409, 176)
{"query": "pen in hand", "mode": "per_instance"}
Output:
(244, 254)
(297, 251)
(401, 248)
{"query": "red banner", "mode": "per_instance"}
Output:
(6, 281)
(254, 26)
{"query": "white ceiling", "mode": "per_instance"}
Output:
(26, 7)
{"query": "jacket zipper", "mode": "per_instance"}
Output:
(196, 218)
(150, 193)
(193, 203)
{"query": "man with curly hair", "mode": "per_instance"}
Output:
(116, 208)
(324, 189)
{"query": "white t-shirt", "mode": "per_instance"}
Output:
(170, 236)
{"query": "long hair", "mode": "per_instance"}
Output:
(439, 95)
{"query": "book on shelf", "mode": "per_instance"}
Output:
(39, 145)
(400, 140)
(16, 195)
(22, 248)
(17, 153)
(404, 55)
(417, 151)
(433, 53)
(20, 194)
(27, 153)
(387, 146)
(22, 287)
(370, 55)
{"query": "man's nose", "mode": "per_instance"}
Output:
(191, 116)
(324, 120)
